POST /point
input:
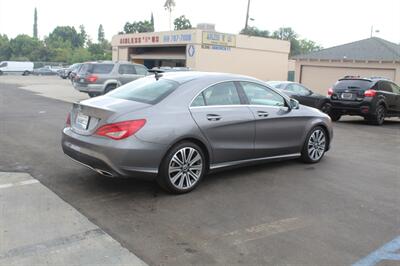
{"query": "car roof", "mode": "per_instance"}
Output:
(186, 76)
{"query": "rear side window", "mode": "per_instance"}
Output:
(385, 86)
(126, 69)
(141, 70)
(101, 68)
(224, 93)
(145, 90)
(353, 84)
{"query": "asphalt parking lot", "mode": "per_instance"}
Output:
(335, 212)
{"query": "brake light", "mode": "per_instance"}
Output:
(370, 93)
(330, 92)
(121, 130)
(91, 78)
(68, 122)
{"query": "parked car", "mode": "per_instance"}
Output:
(44, 71)
(97, 78)
(176, 127)
(372, 98)
(303, 94)
(24, 68)
(74, 71)
(65, 72)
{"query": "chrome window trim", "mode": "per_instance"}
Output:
(286, 98)
(233, 163)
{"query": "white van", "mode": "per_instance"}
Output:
(24, 68)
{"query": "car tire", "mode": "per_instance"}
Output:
(182, 168)
(326, 107)
(109, 88)
(1, 72)
(335, 116)
(26, 73)
(378, 117)
(315, 145)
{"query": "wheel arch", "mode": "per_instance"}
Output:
(206, 150)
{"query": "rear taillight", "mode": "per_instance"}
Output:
(68, 122)
(330, 92)
(370, 93)
(91, 78)
(121, 130)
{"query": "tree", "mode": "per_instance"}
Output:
(308, 46)
(254, 31)
(82, 35)
(152, 20)
(169, 5)
(24, 47)
(5, 48)
(285, 34)
(182, 23)
(100, 34)
(138, 27)
(66, 36)
(35, 26)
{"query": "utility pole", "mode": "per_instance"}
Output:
(247, 15)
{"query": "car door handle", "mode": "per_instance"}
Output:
(213, 117)
(262, 113)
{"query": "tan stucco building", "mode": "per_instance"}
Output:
(205, 50)
(372, 57)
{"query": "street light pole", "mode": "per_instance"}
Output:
(247, 15)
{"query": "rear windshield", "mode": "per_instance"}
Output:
(96, 68)
(145, 90)
(353, 84)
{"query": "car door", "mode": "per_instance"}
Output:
(390, 97)
(302, 94)
(127, 73)
(396, 91)
(225, 122)
(279, 129)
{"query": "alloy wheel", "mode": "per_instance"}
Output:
(316, 145)
(185, 168)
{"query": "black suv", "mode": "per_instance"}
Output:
(372, 98)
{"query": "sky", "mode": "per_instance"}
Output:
(328, 23)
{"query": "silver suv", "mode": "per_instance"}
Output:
(97, 78)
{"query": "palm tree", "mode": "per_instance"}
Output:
(169, 5)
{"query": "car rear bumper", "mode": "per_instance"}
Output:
(99, 88)
(353, 107)
(124, 158)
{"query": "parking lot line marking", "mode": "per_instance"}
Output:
(22, 183)
(389, 251)
(265, 230)
(53, 243)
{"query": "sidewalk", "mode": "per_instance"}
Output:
(39, 228)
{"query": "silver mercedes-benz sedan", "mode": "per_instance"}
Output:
(177, 127)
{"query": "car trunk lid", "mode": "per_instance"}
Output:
(351, 89)
(87, 116)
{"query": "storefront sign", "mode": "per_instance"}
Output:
(216, 38)
(137, 39)
(216, 47)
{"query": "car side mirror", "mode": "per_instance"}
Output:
(294, 104)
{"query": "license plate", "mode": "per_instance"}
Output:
(347, 95)
(82, 121)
